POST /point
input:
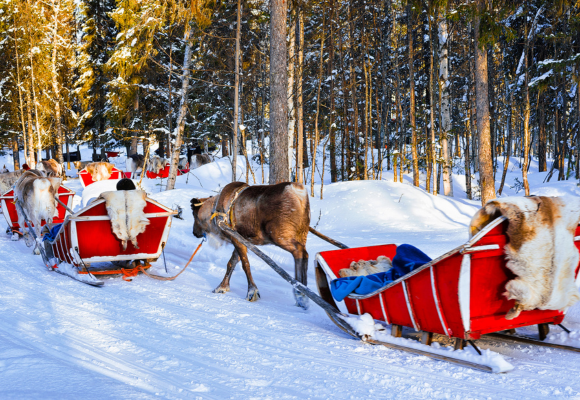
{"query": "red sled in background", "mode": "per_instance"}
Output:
(164, 173)
(86, 178)
(459, 295)
(64, 194)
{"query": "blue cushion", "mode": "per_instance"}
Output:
(406, 260)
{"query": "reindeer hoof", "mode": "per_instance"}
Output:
(301, 299)
(221, 289)
(36, 252)
(253, 295)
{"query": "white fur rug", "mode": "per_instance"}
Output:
(125, 208)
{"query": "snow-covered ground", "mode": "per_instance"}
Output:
(148, 339)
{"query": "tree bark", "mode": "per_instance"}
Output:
(432, 108)
(414, 155)
(291, 97)
(21, 104)
(55, 89)
(300, 145)
(180, 125)
(445, 106)
(278, 91)
(236, 96)
(482, 108)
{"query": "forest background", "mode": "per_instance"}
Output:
(417, 87)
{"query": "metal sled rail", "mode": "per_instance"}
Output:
(528, 340)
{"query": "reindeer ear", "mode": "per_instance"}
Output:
(197, 203)
(55, 183)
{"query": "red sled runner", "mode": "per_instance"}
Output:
(86, 239)
(64, 194)
(86, 178)
(459, 295)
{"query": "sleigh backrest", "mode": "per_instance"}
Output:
(86, 178)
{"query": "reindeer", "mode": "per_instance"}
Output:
(269, 214)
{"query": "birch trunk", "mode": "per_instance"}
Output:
(316, 132)
(236, 96)
(180, 125)
(21, 104)
(300, 109)
(445, 106)
(412, 97)
(432, 107)
(55, 89)
(291, 109)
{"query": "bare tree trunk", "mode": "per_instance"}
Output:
(445, 106)
(300, 109)
(508, 143)
(278, 91)
(21, 104)
(526, 127)
(316, 132)
(34, 101)
(169, 104)
(182, 110)
(56, 92)
(332, 128)
(542, 135)
(30, 132)
(482, 106)
(291, 97)
(236, 96)
(432, 108)
(412, 97)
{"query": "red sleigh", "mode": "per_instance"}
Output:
(164, 173)
(64, 194)
(459, 295)
(86, 238)
(86, 178)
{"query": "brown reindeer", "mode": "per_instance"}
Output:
(276, 214)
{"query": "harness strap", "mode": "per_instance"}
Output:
(228, 215)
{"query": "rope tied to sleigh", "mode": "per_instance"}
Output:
(170, 278)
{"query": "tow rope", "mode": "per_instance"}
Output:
(170, 278)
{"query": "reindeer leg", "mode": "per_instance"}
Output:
(253, 293)
(298, 251)
(224, 287)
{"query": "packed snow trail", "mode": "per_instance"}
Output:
(143, 339)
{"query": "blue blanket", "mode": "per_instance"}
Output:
(406, 260)
(51, 235)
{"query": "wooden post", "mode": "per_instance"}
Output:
(427, 338)
(396, 330)
(543, 330)
(459, 344)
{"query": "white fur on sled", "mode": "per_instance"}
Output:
(540, 252)
(125, 208)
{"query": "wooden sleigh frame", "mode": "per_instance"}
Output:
(86, 238)
(459, 294)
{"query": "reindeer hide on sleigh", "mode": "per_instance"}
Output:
(540, 252)
(125, 208)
